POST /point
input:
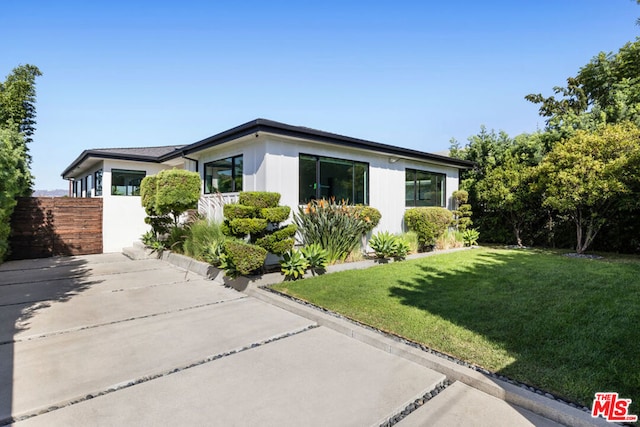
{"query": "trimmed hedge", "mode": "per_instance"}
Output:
(235, 210)
(177, 191)
(259, 199)
(280, 241)
(275, 215)
(244, 257)
(429, 223)
(244, 226)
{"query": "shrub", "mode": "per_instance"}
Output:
(333, 226)
(242, 258)
(176, 238)
(371, 216)
(176, 192)
(315, 255)
(244, 226)
(275, 215)
(279, 241)
(387, 245)
(235, 210)
(429, 223)
(411, 237)
(293, 265)
(470, 237)
(204, 241)
(259, 199)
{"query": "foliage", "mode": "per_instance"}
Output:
(160, 224)
(315, 255)
(276, 214)
(428, 222)
(233, 211)
(176, 192)
(243, 226)
(450, 239)
(387, 245)
(332, 225)
(259, 199)
(279, 241)
(606, 90)
(506, 192)
(411, 237)
(18, 113)
(589, 175)
(574, 310)
(470, 237)
(293, 265)
(242, 258)
(11, 156)
(204, 241)
(462, 212)
(370, 215)
(175, 238)
(256, 218)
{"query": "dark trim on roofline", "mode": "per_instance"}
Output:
(269, 126)
(102, 155)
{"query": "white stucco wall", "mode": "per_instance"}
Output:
(386, 179)
(123, 216)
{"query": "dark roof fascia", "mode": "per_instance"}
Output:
(97, 154)
(269, 126)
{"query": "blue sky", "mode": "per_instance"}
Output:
(407, 73)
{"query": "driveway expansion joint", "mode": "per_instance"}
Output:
(147, 378)
(98, 325)
(417, 403)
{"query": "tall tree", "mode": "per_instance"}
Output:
(606, 90)
(587, 177)
(18, 111)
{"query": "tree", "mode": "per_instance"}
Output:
(606, 90)
(18, 112)
(11, 157)
(505, 191)
(589, 176)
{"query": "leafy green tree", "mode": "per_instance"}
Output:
(606, 90)
(589, 176)
(506, 192)
(11, 159)
(177, 191)
(18, 111)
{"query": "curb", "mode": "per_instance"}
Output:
(513, 394)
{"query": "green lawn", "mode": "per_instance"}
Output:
(569, 326)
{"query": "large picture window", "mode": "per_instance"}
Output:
(224, 176)
(126, 182)
(325, 177)
(424, 188)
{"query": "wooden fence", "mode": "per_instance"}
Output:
(49, 226)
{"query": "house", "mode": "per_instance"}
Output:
(263, 155)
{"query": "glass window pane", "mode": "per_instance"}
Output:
(410, 187)
(224, 176)
(361, 183)
(336, 179)
(237, 172)
(126, 182)
(307, 179)
(98, 178)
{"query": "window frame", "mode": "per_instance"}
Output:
(98, 188)
(442, 203)
(318, 178)
(234, 174)
(126, 186)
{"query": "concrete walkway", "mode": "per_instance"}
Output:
(104, 340)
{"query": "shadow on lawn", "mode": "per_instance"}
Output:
(28, 287)
(570, 335)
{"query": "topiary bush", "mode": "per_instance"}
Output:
(242, 258)
(429, 223)
(256, 218)
(177, 191)
(259, 199)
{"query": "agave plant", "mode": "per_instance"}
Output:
(470, 237)
(315, 255)
(293, 265)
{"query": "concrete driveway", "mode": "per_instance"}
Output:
(104, 340)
